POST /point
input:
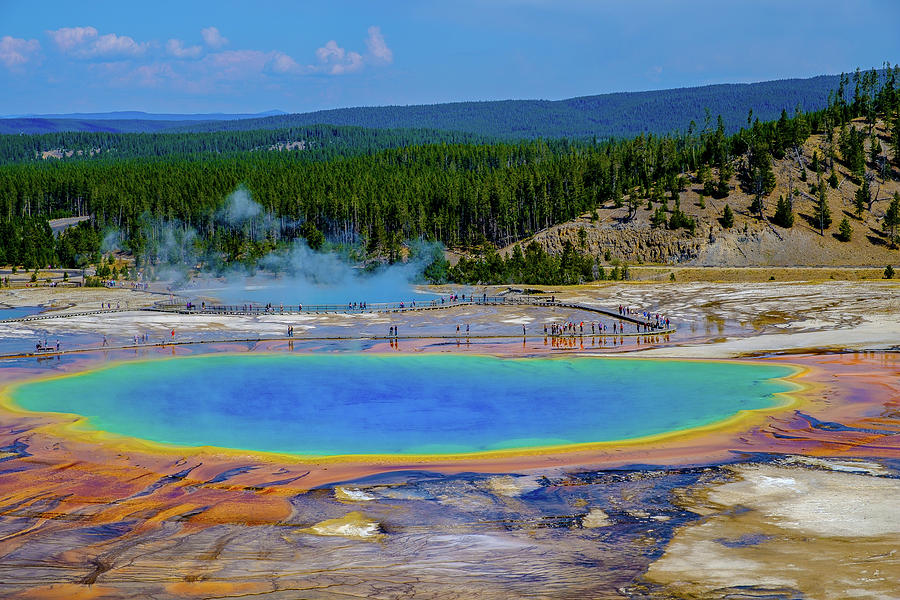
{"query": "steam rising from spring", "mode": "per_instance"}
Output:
(289, 275)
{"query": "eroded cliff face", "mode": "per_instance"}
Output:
(753, 244)
(625, 243)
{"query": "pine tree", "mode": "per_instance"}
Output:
(892, 219)
(862, 198)
(723, 188)
(762, 179)
(822, 213)
(845, 231)
(658, 219)
(896, 140)
(727, 218)
(784, 215)
(874, 150)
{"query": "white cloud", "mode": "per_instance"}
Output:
(15, 52)
(68, 38)
(177, 49)
(236, 64)
(330, 51)
(353, 63)
(378, 49)
(337, 61)
(239, 65)
(83, 42)
(153, 75)
(112, 44)
(282, 63)
(213, 38)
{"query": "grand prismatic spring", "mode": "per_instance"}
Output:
(339, 462)
(366, 404)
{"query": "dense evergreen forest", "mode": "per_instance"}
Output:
(624, 114)
(316, 142)
(465, 195)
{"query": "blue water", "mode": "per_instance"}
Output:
(324, 404)
(19, 311)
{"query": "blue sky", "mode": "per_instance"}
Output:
(222, 56)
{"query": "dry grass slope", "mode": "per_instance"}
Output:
(751, 241)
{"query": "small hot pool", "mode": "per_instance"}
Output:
(318, 404)
(17, 312)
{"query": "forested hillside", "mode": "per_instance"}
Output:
(607, 115)
(472, 197)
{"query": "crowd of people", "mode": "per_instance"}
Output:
(651, 320)
(645, 322)
(351, 306)
(46, 346)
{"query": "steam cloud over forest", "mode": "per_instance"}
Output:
(272, 268)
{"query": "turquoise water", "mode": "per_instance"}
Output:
(375, 404)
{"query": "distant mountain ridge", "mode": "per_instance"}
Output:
(35, 126)
(622, 114)
(131, 115)
(115, 122)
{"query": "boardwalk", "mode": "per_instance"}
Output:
(644, 329)
(255, 309)
(396, 307)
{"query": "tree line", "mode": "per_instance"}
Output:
(312, 142)
(466, 195)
